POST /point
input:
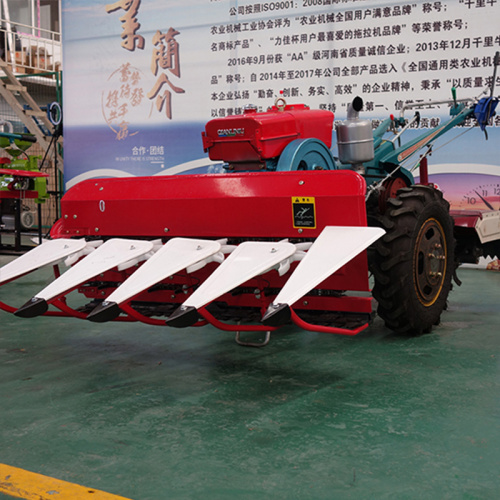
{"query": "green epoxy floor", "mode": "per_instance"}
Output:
(152, 414)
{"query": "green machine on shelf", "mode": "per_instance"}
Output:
(20, 172)
(20, 180)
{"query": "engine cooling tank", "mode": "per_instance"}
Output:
(355, 136)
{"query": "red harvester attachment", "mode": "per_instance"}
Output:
(224, 249)
(218, 263)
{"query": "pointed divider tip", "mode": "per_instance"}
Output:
(277, 315)
(105, 311)
(183, 316)
(34, 307)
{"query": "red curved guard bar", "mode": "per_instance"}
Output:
(69, 311)
(234, 328)
(137, 316)
(5, 307)
(10, 309)
(126, 308)
(61, 304)
(324, 329)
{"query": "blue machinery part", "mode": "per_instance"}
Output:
(484, 110)
(306, 154)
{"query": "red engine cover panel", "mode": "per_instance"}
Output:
(254, 137)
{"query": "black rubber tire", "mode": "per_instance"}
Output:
(413, 262)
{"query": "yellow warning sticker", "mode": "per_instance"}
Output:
(304, 212)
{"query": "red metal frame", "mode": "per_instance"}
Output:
(18, 175)
(466, 218)
(424, 171)
(18, 194)
(22, 173)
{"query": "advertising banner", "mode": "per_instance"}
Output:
(142, 77)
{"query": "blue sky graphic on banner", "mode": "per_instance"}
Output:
(142, 77)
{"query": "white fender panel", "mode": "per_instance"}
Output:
(49, 252)
(110, 254)
(248, 260)
(177, 254)
(334, 247)
(488, 226)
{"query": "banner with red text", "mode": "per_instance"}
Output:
(142, 77)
